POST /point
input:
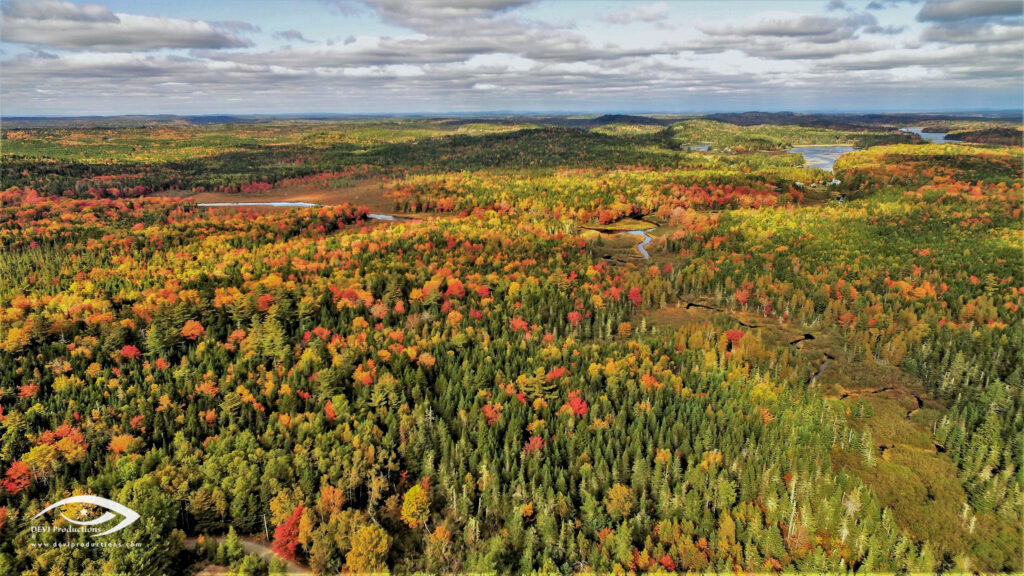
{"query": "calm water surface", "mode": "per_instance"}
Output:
(385, 217)
(823, 157)
(278, 204)
(933, 137)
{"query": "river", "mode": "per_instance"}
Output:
(642, 246)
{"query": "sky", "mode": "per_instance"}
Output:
(65, 58)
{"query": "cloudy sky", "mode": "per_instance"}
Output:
(464, 56)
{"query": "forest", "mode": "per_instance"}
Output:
(523, 345)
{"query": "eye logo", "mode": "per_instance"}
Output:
(130, 516)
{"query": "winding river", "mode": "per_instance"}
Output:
(642, 246)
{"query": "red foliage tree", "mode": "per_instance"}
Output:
(17, 478)
(455, 289)
(555, 373)
(577, 404)
(535, 443)
(574, 318)
(636, 296)
(743, 296)
(192, 330)
(286, 535)
(130, 352)
(492, 413)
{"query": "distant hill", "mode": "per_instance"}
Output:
(847, 121)
(1003, 136)
(834, 121)
(132, 121)
(617, 119)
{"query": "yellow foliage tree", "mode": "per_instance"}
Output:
(416, 507)
(619, 501)
(120, 443)
(370, 546)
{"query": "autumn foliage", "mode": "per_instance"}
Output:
(286, 535)
(569, 404)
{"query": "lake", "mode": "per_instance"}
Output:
(820, 156)
(381, 217)
(277, 204)
(933, 137)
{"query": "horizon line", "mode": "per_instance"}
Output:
(512, 113)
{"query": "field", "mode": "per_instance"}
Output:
(581, 345)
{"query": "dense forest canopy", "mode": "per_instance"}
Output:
(810, 370)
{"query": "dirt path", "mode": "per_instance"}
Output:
(252, 546)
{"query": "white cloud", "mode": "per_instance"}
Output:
(953, 10)
(820, 29)
(973, 33)
(68, 26)
(498, 54)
